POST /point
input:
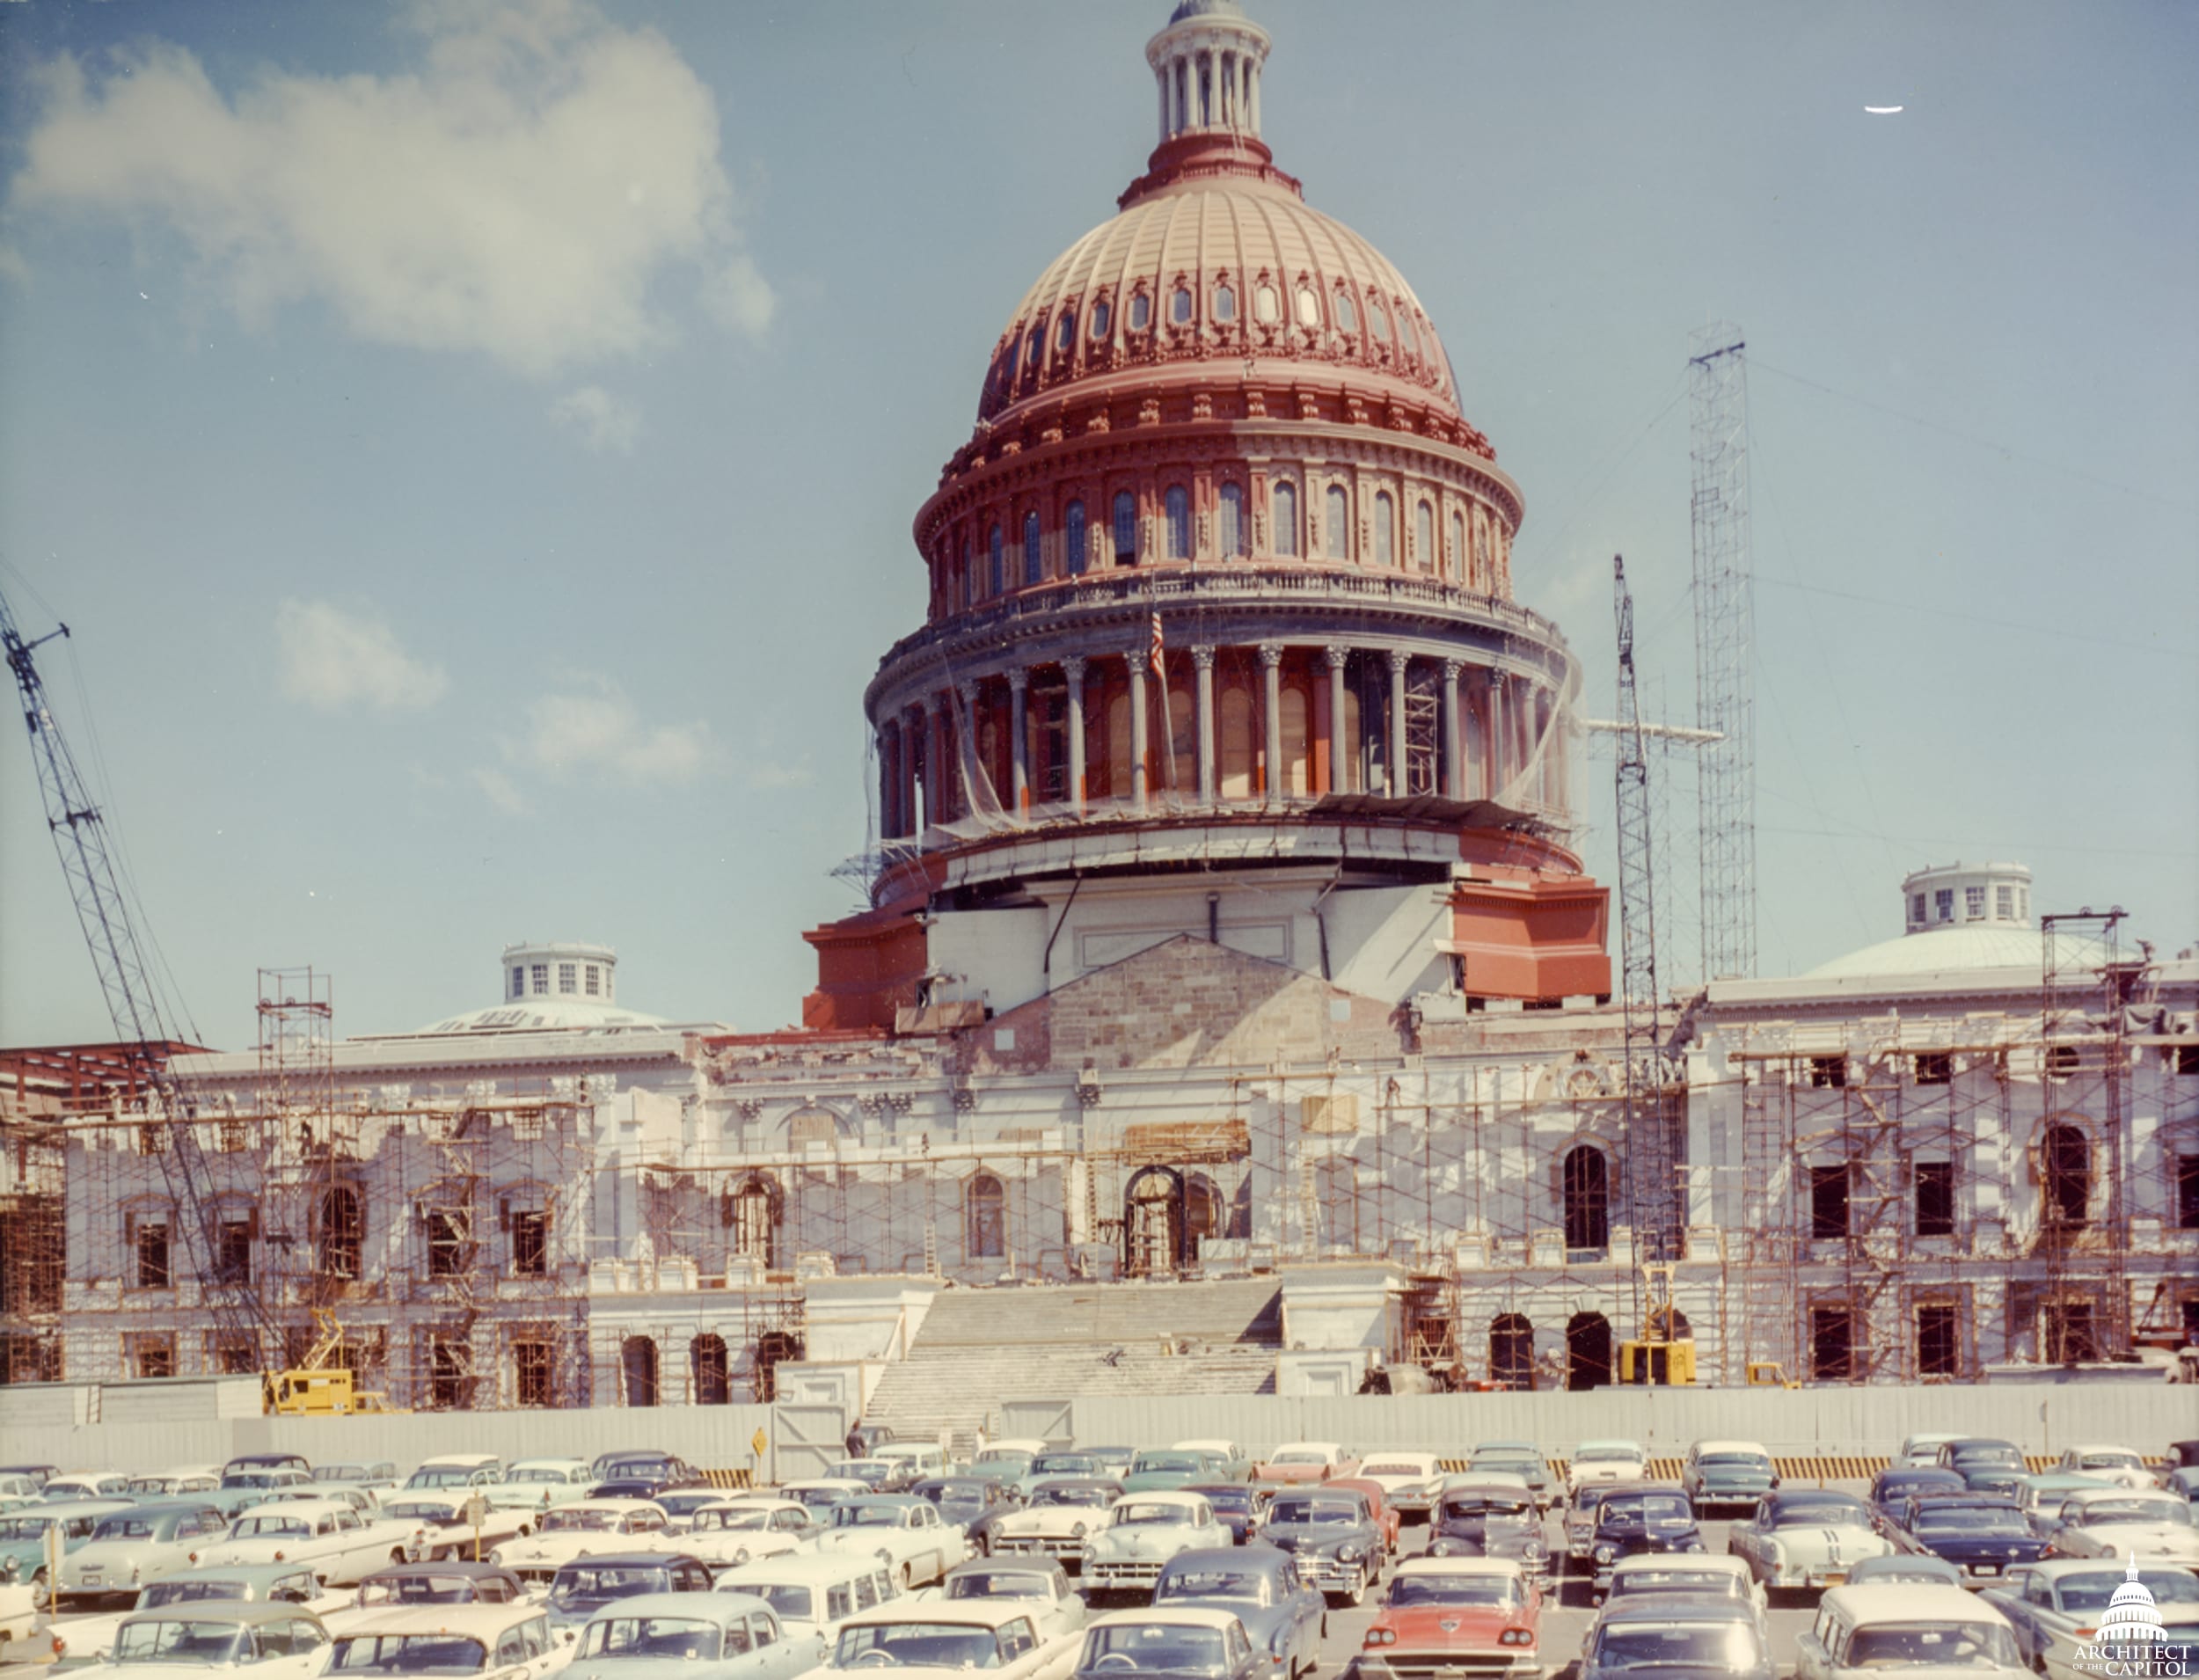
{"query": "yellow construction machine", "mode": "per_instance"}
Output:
(1664, 1354)
(315, 1387)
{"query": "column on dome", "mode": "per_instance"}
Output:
(1395, 768)
(1493, 735)
(888, 782)
(1335, 657)
(1202, 658)
(1454, 742)
(1271, 711)
(1141, 778)
(1073, 671)
(1019, 739)
(926, 759)
(968, 765)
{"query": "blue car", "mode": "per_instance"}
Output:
(23, 1539)
(1984, 1538)
(1633, 1523)
(1283, 1617)
(582, 1589)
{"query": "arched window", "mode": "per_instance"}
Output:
(1455, 562)
(1034, 347)
(1586, 1177)
(342, 1232)
(1309, 307)
(1347, 315)
(1512, 1351)
(1125, 529)
(1378, 320)
(1180, 306)
(1224, 303)
(996, 567)
(1297, 743)
(1073, 538)
(1232, 523)
(1424, 537)
(711, 1384)
(1284, 500)
(1404, 330)
(987, 1204)
(1034, 555)
(1065, 334)
(2065, 1175)
(1179, 506)
(1140, 311)
(1237, 752)
(1336, 524)
(1385, 523)
(752, 1218)
(1266, 305)
(1100, 316)
(638, 1370)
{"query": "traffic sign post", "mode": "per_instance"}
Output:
(477, 1513)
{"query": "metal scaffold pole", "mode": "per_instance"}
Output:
(1725, 649)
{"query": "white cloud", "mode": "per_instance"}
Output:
(600, 730)
(517, 194)
(501, 791)
(332, 658)
(605, 423)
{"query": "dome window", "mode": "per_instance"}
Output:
(1309, 307)
(1073, 539)
(1378, 320)
(1336, 522)
(1267, 306)
(1034, 347)
(1386, 529)
(1180, 306)
(1100, 314)
(1457, 544)
(1232, 523)
(1346, 315)
(1424, 537)
(1034, 554)
(1284, 501)
(1140, 312)
(996, 569)
(1225, 303)
(1065, 333)
(1125, 529)
(1179, 505)
(1008, 363)
(1406, 331)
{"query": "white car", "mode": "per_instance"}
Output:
(1922, 1451)
(1167, 1640)
(2117, 1521)
(455, 1472)
(729, 1532)
(1039, 1582)
(508, 1642)
(86, 1484)
(1607, 1461)
(171, 1484)
(445, 1518)
(575, 1530)
(2116, 1465)
(943, 1636)
(1409, 1481)
(822, 1493)
(131, 1547)
(543, 1482)
(250, 1641)
(329, 1539)
(812, 1592)
(1143, 1531)
(1922, 1630)
(1057, 1520)
(82, 1641)
(1807, 1537)
(1235, 1463)
(900, 1532)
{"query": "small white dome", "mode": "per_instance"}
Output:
(1955, 950)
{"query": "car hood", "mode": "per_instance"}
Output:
(1426, 1625)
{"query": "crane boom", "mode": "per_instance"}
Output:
(133, 1003)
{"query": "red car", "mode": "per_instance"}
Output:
(1384, 1514)
(1477, 1614)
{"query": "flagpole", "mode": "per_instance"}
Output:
(1159, 654)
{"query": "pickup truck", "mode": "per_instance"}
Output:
(329, 1539)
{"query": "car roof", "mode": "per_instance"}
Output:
(1631, 1446)
(890, 1502)
(816, 1568)
(1310, 1446)
(617, 1505)
(1017, 1564)
(1402, 1453)
(1207, 1557)
(1105, 1484)
(1165, 1616)
(1166, 1496)
(1911, 1601)
(1756, 1447)
(451, 1460)
(175, 1506)
(480, 1621)
(456, 1567)
(75, 1507)
(1487, 1484)
(755, 1502)
(2102, 1446)
(974, 1612)
(1643, 1563)
(221, 1610)
(1681, 1607)
(550, 1464)
(256, 1573)
(1428, 1566)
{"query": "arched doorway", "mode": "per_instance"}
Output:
(1154, 1218)
(752, 1214)
(707, 1354)
(1512, 1351)
(1202, 1213)
(2065, 1175)
(1586, 1175)
(1588, 1351)
(773, 1348)
(637, 1369)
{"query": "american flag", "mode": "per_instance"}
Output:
(1155, 651)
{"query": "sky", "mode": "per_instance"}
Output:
(473, 445)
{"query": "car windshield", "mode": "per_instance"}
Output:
(2085, 1595)
(1933, 1645)
(1299, 1458)
(408, 1653)
(1163, 1463)
(578, 1581)
(1491, 1592)
(124, 1527)
(1314, 1511)
(636, 1470)
(192, 1592)
(1645, 1508)
(1736, 1460)
(430, 1510)
(918, 1645)
(1080, 1496)
(571, 1520)
(1155, 1648)
(340, 1473)
(1818, 1514)
(682, 1639)
(1131, 1513)
(1725, 1585)
(2173, 1511)
(157, 1641)
(416, 1589)
(789, 1603)
(1058, 1463)
(1000, 1583)
(250, 1479)
(865, 1517)
(544, 1473)
(1239, 1586)
(1971, 1519)
(734, 1519)
(1481, 1508)
(1729, 1646)
(286, 1528)
(440, 1476)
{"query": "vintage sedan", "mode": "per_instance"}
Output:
(446, 1518)
(1409, 1481)
(1647, 1521)
(973, 1504)
(1143, 1531)
(1520, 1458)
(692, 1636)
(1700, 1636)
(1306, 1461)
(660, 1470)
(296, 1460)
(680, 1504)
(456, 1472)
(1232, 1462)
(1284, 1617)
(429, 1583)
(1242, 1506)
(1727, 1473)
(1488, 1519)
(823, 1493)
(902, 1532)
(952, 1636)
(1332, 1534)
(1905, 1566)
(2117, 1464)
(1114, 1462)
(1056, 1465)
(1985, 1464)
(1479, 1615)
(1697, 1575)
(727, 1533)
(2055, 1606)
(82, 1641)
(1579, 1521)
(1984, 1538)
(1056, 1519)
(1379, 1509)
(242, 1489)
(1921, 1451)
(1802, 1537)
(872, 1475)
(812, 1592)
(2043, 1497)
(1209, 1643)
(1606, 1461)
(544, 1482)
(506, 1641)
(266, 1641)
(1163, 1468)
(922, 1457)
(578, 1530)
(23, 1540)
(1039, 1582)
(1918, 1630)
(1891, 1490)
(377, 1473)
(16, 1490)
(2117, 1523)
(586, 1585)
(329, 1539)
(74, 1486)
(130, 1548)
(176, 1484)
(1006, 1463)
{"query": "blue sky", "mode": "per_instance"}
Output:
(475, 444)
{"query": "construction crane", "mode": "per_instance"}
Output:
(239, 1319)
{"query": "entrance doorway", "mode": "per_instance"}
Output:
(1588, 1351)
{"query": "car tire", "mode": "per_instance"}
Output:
(41, 1598)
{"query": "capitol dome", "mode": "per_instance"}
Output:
(2132, 1616)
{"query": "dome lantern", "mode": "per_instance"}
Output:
(1206, 63)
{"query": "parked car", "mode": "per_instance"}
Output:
(1039, 1582)
(872, 1475)
(1283, 1614)
(1160, 1640)
(544, 1482)
(1163, 1468)
(919, 1459)
(1379, 1510)
(1306, 1461)
(445, 1518)
(1056, 1519)
(83, 1640)
(1488, 1519)
(586, 1585)
(456, 1471)
(1704, 1638)
(1859, 1630)
(1056, 1465)
(2043, 1497)
(38, 1475)
(245, 1461)
(1905, 1566)
(1606, 1461)
(372, 1472)
(18, 1490)
(645, 1464)
(692, 1636)
(728, 1533)
(329, 1539)
(24, 1542)
(76, 1485)
(1008, 1466)
(1333, 1535)
(176, 1484)
(242, 1489)
(976, 1505)
(1726, 1473)
(2113, 1521)
(1983, 1537)
(1985, 1464)
(2116, 1465)
(265, 1641)
(1233, 1462)
(812, 1592)
(508, 1642)
(821, 1494)
(902, 1532)
(1579, 1522)
(1474, 1615)
(1921, 1451)
(1520, 1458)
(2054, 1606)
(1807, 1537)
(1143, 1531)
(1409, 1480)
(577, 1530)
(1241, 1506)
(1001, 1637)
(1707, 1574)
(680, 1504)
(428, 1583)
(130, 1548)
(1647, 1521)
(1892, 1489)
(1114, 1462)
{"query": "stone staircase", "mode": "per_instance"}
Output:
(978, 1349)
